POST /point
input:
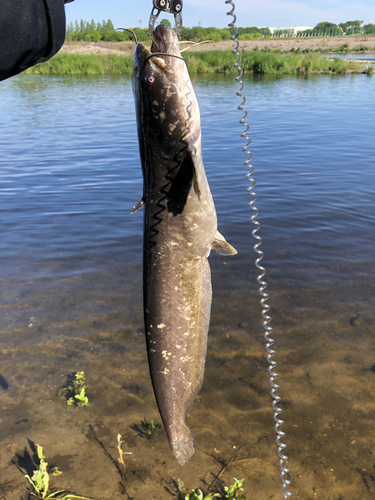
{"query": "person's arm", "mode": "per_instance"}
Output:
(31, 31)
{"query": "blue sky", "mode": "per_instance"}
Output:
(126, 13)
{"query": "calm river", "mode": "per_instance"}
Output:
(71, 288)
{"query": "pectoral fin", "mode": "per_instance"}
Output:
(221, 246)
(137, 206)
(185, 178)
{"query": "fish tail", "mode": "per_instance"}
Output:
(183, 449)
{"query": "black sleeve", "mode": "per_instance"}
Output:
(31, 31)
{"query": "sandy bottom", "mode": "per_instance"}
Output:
(93, 322)
(330, 43)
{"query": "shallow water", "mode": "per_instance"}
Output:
(354, 56)
(71, 286)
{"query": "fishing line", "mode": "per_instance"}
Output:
(162, 54)
(195, 44)
(263, 284)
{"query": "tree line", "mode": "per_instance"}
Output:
(348, 28)
(105, 31)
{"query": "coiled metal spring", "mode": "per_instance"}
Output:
(263, 284)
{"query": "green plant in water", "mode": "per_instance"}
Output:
(198, 495)
(147, 429)
(76, 390)
(195, 494)
(234, 490)
(40, 481)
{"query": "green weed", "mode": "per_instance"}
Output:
(76, 390)
(40, 481)
(211, 61)
(146, 429)
(84, 64)
(344, 47)
(234, 490)
(195, 494)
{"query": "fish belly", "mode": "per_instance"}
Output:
(177, 285)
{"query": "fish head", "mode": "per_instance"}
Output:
(167, 109)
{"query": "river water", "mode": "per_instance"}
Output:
(355, 56)
(71, 298)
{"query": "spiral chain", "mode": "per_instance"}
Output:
(263, 284)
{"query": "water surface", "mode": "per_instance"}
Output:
(71, 270)
(354, 56)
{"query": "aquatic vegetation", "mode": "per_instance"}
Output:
(76, 390)
(195, 494)
(233, 490)
(40, 481)
(198, 495)
(147, 429)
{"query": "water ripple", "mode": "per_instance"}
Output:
(70, 169)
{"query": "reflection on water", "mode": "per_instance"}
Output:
(354, 56)
(70, 169)
(71, 276)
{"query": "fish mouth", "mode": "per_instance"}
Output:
(164, 39)
(164, 44)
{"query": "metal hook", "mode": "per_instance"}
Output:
(173, 7)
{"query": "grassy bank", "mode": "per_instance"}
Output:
(215, 61)
(84, 64)
(271, 62)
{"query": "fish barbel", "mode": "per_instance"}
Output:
(180, 228)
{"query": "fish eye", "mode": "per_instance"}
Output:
(151, 79)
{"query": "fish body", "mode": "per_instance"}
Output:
(180, 228)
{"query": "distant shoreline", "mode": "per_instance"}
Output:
(330, 44)
(285, 56)
(263, 62)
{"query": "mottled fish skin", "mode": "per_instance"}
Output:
(179, 230)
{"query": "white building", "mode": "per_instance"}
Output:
(292, 30)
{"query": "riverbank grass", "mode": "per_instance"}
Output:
(271, 62)
(84, 64)
(215, 61)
